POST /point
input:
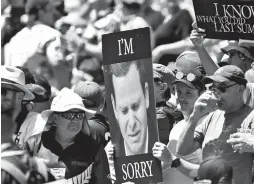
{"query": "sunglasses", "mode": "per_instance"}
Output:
(4, 91)
(222, 89)
(72, 115)
(233, 53)
(190, 77)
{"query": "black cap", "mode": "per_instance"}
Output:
(226, 74)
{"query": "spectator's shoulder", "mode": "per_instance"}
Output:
(248, 122)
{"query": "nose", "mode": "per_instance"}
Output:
(132, 120)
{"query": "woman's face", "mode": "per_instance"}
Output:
(71, 126)
(186, 97)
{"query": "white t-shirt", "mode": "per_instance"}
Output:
(248, 95)
(32, 125)
(172, 175)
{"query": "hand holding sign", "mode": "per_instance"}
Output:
(242, 142)
(197, 35)
(162, 152)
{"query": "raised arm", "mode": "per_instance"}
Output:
(197, 38)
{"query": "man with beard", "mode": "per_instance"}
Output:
(16, 165)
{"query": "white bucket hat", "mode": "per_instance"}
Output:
(13, 77)
(65, 101)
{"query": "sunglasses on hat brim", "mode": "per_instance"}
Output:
(190, 77)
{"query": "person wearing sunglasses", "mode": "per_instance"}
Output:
(214, 131)
(66, 141)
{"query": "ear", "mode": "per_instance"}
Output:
(164, 86)
(53, 118)
(147, 95)
(114, 106)
(30, 106)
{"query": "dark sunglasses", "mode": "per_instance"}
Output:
(72, 115)
(4, 91)
(222, 89)
(234, 53)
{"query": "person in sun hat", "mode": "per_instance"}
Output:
(66, 141)
(17, 166)
(13, 89)
(93, 99)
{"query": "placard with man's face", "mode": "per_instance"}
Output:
(128, 73)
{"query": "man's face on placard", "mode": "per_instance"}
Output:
(130, 106)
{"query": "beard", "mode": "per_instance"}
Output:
(21, 117)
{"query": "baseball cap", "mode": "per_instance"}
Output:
(167, 75)
(189, 63)
(90, 93)
(245, 50)
(215, 169)
(13, 77)
(65, 100)
(157, 75)
(41, 89)
(226, 74)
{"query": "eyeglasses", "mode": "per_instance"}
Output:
(233, 53)
(4, 91)
(190, 77)
(72, 115)
(222, 89)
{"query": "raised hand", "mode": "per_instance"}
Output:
(197, 35)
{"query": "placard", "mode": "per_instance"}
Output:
(226, 19)
(127, 67)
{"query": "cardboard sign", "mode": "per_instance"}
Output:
(226, 19)
(128, 75)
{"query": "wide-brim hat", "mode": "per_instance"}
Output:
(65, 101)
(14, 78)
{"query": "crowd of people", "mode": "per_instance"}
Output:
(54, 122)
